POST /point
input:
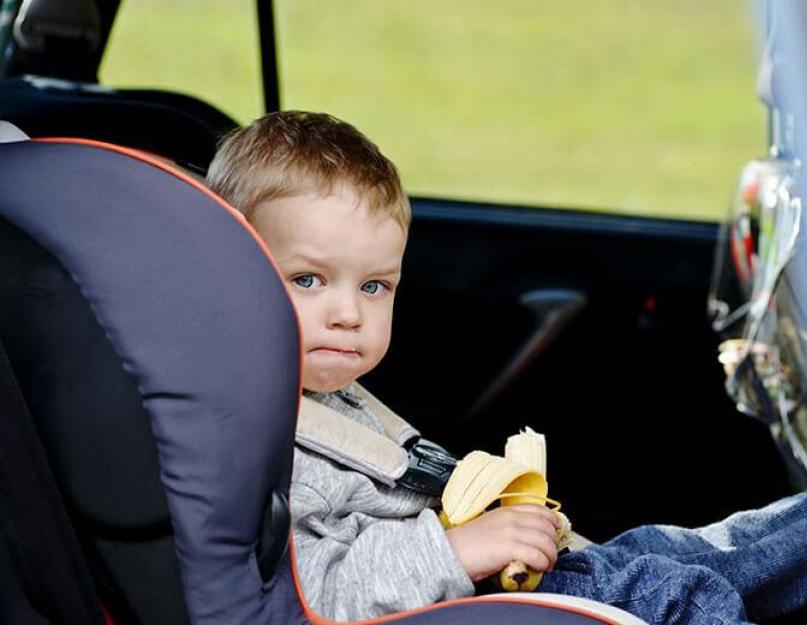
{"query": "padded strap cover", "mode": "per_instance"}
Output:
(347, 442)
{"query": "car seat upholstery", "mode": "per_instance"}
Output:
(155, 351)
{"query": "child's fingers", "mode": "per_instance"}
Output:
(539, 551)
(538, 511)
(536, 526)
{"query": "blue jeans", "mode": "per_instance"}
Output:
(752, 565)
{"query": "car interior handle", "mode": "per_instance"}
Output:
(553, 309)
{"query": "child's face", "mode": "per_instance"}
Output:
(342, 266)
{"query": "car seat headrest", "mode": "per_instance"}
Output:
(200, 341)
(176, 126)
(58, 38)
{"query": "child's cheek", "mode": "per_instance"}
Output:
(382, 340)
(305, 315)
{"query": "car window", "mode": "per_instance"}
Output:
(205, 48)
(621, 105)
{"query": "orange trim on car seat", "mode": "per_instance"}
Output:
(318, 620)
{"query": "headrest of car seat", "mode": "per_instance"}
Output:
(200, 346)
(10, 133)
(58, 38)
(173, 125)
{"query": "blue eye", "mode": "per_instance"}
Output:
(307, 281)
(374, 287)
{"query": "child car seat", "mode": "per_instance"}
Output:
(136, 310)
(149, 380)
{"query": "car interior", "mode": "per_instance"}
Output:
(589, 327)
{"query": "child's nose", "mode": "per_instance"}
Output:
(344, 311)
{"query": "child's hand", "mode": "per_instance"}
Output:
(527, 533)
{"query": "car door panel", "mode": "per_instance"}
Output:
(629, 393)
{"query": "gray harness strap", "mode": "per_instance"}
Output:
(326, 432)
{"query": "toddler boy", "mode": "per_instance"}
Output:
(332, 211)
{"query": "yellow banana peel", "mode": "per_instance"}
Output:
(517, 576)
(481, 478)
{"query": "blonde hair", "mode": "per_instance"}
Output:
(295, 152)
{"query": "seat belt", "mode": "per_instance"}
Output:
(33, 520)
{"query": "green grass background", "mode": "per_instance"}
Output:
(633, 106)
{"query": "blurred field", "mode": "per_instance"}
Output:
(206, 48)
(620, 105)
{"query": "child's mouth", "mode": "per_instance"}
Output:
(334, 351)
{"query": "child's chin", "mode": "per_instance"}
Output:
(326, 386)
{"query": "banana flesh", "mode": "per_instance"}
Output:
(528, 448)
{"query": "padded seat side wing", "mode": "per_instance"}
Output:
(199, 319)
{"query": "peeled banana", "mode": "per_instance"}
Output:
(527, 448)
(519, 477)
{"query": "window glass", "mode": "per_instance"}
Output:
(621, 105)
(205, 48)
